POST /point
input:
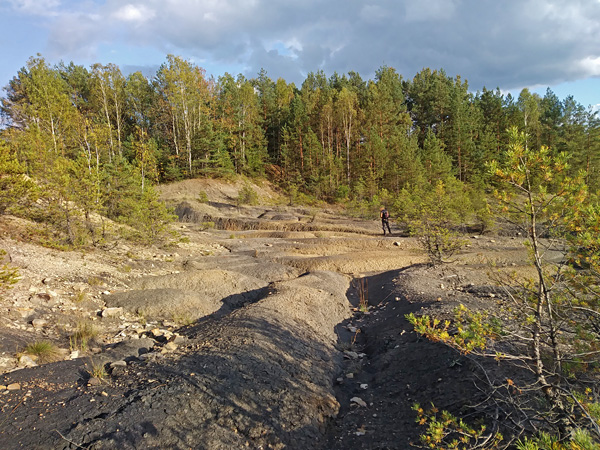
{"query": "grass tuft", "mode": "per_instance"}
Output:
(45, 351)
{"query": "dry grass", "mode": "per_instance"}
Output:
(84, 333)
(45, 351)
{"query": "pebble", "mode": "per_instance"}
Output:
(13, 387)
(112, 312)
(94, 381)
(26, 361)
(118, 364)
(359, 401)
(39, 323)
(170, 346)
(351, 355)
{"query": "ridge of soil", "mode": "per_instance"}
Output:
(248, 338)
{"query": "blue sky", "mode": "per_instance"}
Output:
(510, 44)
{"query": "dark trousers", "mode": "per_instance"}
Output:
(385, 223)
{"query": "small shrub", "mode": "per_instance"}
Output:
(80, 297)
(95, 281)
(97, 370)
(247, 196)
(85, 332)
(447, 431)
(362, 289)
(141, 318)
(45, 351)
(8, 275)
(202, 197)
(207, 225)
(182, 318)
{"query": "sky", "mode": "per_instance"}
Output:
(509, 44)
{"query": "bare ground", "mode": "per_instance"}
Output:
(238, 338)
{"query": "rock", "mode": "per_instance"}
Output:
(112, 312)
(397, 243)
(2, 387)
(74, 354)
(364, 386)
(94, 381)
(170, 346)
(118, 364)
(26, 361)
(13, 387)
(351, 355)
(350, 375)
(179, 339)
(39, 323)
(359, 401)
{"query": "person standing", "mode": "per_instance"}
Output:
(385, 219)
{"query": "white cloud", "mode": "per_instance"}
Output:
(591, 66)
(134, 13)
(506, 43)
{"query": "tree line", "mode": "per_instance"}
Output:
(332, 138)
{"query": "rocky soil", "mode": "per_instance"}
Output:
(247, 335)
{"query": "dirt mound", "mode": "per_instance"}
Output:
(249, 266)
(216, 190)
(258, 378)
(189, 295)
(355, 263)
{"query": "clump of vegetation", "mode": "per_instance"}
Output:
(433, 215)
(552, 322)
(362, 289)
(84, 333)
(207, 226)
(8, 275)
(17, 190)
(97, 370)
(202, 197)
(80, 296)
(44, 351)
(182, 318)
(247, 195)
(445, 431)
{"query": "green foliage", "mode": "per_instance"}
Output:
(97, 370)
(17, 191)
(45, 351)
(554, 316)
(8, 275)
(581, 440)
(445, 431)
(432, 215)
(247, 195)
(84, 333)
(471, 331)
(202, 197)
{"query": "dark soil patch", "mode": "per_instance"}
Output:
(399, 368)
